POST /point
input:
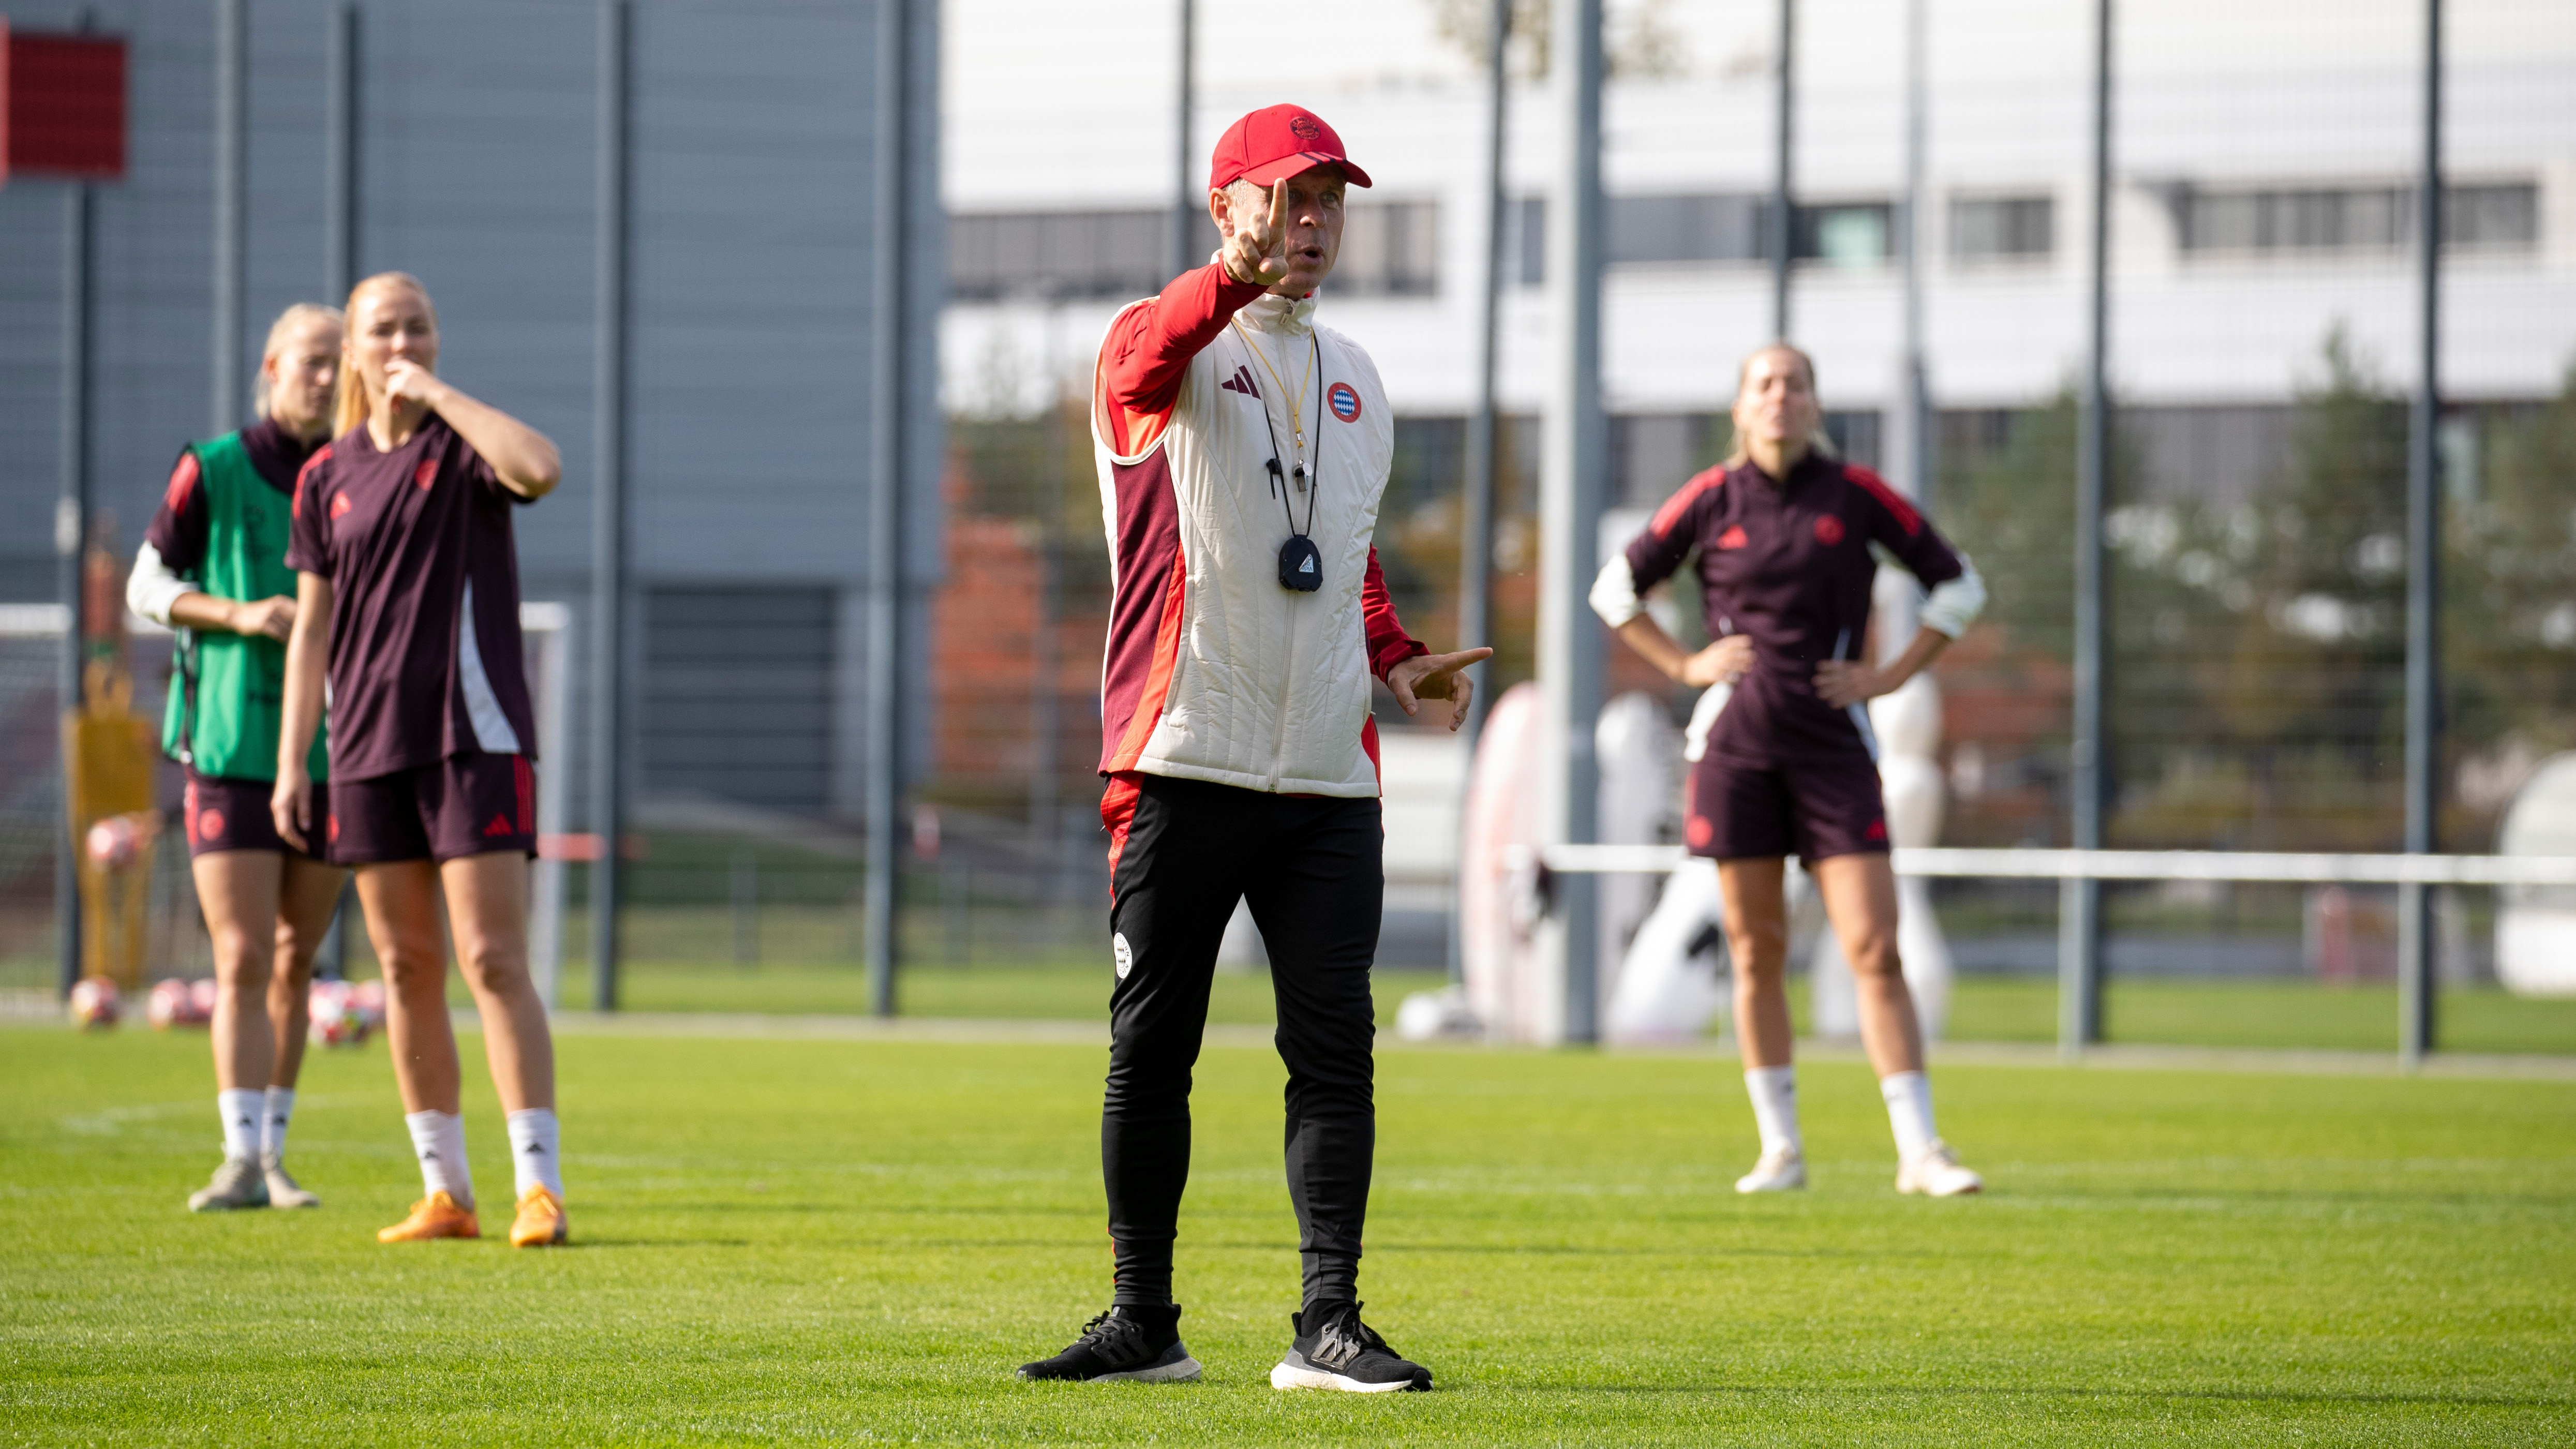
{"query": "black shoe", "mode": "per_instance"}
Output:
(1334, 1350)
(1127, 1342)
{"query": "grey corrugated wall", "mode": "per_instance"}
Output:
(753, 196)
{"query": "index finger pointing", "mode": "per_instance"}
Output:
(1279, 205)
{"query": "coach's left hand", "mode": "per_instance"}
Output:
(1437, 676)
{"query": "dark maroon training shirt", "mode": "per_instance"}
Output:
(1788, 564)
(406, 538)
(178, 528)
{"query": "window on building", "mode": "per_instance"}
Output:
(2002, 228)
(1057, 255)
(1720, 227)
(1708, 228)
(2500, 216)
(1525, 241)
(1844, 234)
(1389, 248)
(2504, 216)
(737, 695)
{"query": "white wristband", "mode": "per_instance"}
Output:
(1954, 605)
(151, 589)
(1614, 592)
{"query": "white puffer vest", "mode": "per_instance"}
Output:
(1270, 687)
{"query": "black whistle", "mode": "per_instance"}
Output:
(1273, 466)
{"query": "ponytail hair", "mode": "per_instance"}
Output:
(1819, 442)
(350, 403)
(278, 331)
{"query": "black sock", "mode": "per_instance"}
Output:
(1144, 1275)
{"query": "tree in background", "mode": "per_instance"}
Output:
(2008, 499)
(2509, 600)
(2293, 637)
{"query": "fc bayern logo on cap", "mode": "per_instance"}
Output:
(1345, 400)
(1304, 128)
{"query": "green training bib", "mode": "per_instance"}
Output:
(226, 694)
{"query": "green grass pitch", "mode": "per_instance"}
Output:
(808, 1240)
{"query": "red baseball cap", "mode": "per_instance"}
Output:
(1275, 143)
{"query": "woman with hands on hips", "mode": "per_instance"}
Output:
(1788, 540)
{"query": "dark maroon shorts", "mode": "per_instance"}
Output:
(232, 815)
(1812, 809)
(463, 805)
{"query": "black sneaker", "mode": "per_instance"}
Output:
(1334, 1350)
(1127, 1342)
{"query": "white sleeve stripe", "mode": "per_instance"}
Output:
(1954, 605)
(1614, 592)
(151, 589)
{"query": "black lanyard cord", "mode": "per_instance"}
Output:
(1315, 479)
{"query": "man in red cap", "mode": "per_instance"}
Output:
(1243, 451)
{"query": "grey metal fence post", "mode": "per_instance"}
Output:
(340, 154)
(1187, 199)
(71, 533)
(2079, 967)
(1915, 467)
(231, 211)
(1783, 228)
(1476, 499)
(609, 525)
(885, 505)
(2417, 968)
(1569, 638)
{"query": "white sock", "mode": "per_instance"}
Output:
(1909, 1111)
(1774, 1091)
(241, 1112)
(272, 1128)
(536, 1151)
(438, 1138)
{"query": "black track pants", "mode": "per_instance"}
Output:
(1313, 872)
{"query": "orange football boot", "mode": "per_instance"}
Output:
(541, 1222)
(435, 1216)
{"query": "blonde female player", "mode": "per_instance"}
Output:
(213, 563)
(408, 581)
(1786, 536)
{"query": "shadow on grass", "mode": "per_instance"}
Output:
(884, 1210)
(587, 1242)
(2234, 1396)
(1571, 1250)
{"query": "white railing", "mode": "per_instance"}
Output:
(2079, 969)
(2194, 865)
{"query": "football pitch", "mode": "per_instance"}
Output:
(789, 1240)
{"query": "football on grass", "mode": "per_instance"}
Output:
(94, 1003)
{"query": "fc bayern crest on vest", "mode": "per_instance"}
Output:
(1345, 400)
